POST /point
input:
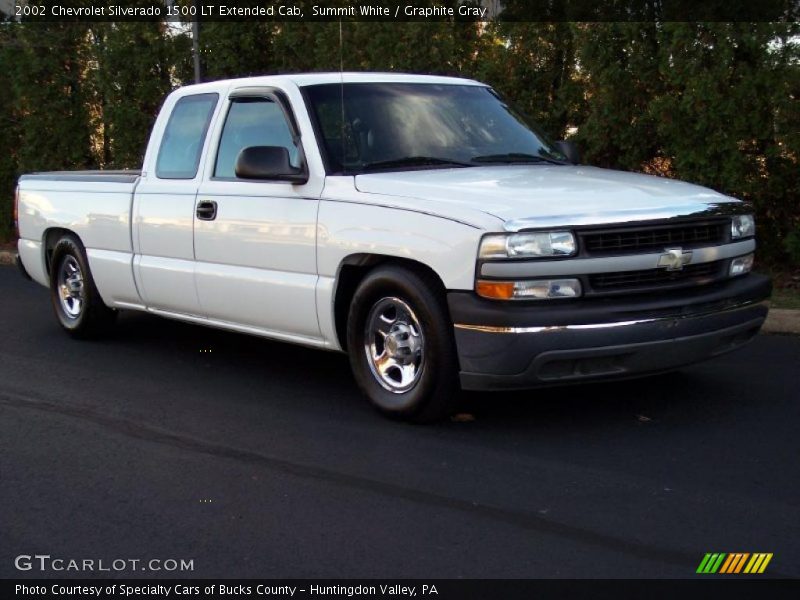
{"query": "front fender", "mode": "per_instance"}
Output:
(448, 247)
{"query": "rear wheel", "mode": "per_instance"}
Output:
(401, 345)
(77, 303)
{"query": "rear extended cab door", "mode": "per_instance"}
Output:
(255, 240)
(163, 206)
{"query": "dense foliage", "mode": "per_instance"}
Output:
(712, 103)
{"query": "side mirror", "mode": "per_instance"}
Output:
(570, 150)
(268, 162)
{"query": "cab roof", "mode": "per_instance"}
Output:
(305, 79)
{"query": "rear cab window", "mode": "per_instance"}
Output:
(184, 135)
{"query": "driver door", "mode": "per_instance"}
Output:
(255, 241)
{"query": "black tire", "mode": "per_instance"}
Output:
(432, 394)
(84, 314)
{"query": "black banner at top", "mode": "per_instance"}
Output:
(401, 10)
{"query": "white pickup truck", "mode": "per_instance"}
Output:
(416, 222)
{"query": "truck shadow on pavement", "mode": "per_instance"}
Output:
(323, 380)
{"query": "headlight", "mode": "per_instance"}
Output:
(538, 289)
(743, 226)
(528, 245)
(741, 265)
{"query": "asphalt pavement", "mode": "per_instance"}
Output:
(255, 458)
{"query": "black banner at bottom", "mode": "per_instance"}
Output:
(374, 589)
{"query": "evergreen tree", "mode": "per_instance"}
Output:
(618, 69)
(133, 67)
(728, 117)
(52, 97)
(9, 129)
(534, 65)
(232, 49)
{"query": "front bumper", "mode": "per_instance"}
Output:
(511, 346)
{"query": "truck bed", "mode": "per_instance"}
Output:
(96, 206)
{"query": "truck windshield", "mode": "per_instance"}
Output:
(403, 126)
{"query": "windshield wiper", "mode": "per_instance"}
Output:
(515, 157)
(416, 161)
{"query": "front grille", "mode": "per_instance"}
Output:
(648, 279)
(654, 238)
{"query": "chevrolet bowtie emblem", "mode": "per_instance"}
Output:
(675, 259)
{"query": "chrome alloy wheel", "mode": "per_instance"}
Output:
(394, 345)
(70, 287)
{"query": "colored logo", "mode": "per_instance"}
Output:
(737, 562)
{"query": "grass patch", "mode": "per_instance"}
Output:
(785, 287)
(785, 298)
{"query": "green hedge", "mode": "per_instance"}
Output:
(712, 103)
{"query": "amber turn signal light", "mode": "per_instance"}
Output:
(534, 289)
(499, 290)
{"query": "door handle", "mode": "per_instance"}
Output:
(206, 210)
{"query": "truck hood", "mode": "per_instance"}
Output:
(545, 195)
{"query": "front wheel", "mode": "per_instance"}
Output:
(77, 303)
(401, 345)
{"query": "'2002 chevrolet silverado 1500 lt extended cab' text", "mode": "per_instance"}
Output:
(416, 222)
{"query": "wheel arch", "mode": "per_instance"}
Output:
(50, 239)
(352, 271)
